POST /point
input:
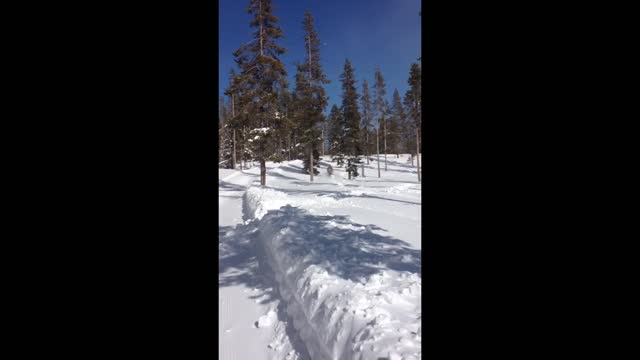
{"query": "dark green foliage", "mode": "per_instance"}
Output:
(413, 96)
(412, 103)
(261, 80)
(380, 104)
(338, 159)
(367, 115)
(395, 124)
(310, 94)
(335, 131)
(352, 165)
(277, 158)
(350, 114)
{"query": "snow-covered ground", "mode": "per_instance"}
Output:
(322, 270)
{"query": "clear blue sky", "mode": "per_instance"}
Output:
(385, 33)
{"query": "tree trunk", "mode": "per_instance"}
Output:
(378, 147)
(311, 162)
(384, 124)
(366, 135)
(263, 172)
(233, 157)
(363, 169)
(242, 164)
(233, 113)
(418, 153)
(322, 139)
(289, 148)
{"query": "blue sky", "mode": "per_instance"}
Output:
(384, 33)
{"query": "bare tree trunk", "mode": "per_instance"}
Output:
(233, 113)
(322, 139)
(378, 146)
(233, 157)
(289, 148)
(384, 124)
(242, 164)
(311, 162)
(263, 172)
(418, 153)
(363, 169)
(366, 135)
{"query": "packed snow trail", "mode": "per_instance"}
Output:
(249, 325)
(338, 261)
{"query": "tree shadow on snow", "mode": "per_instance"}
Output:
(223, 185)
(279, 175)
(339, 194)
(344, 248)
(241, 263)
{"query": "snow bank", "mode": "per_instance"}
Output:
(258, 201)
(340, 311)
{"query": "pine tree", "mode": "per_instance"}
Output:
(381, 111)
(309, 80)
(367, 113)
(335, 131)
(413, 101)
(288, 124)
(394, 131)
(262, 76)
(225, 144)
(233, 121)
(350, 119)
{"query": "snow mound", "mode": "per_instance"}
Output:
(258, 201)
(350, 293)
(266, 320)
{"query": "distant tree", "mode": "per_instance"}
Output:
(367, 114)
(224, 133)
(413, 103)
(234, 119)
(310, 79)
(335, 131)
(381, 111)
(349, 109)
(396, 121)
(262, 76)
(350, 117)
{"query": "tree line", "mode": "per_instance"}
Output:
(261, 120)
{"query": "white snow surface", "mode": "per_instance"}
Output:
(335, 265)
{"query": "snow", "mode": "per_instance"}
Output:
(262, 130)
(322, 270)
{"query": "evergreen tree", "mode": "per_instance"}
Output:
(288, 123)
(233, 121)
(262, 76)
(413, 103)
(367, 115)
(350, 113)
(335, 131)
(394, 129)
(381, 111)
(221, 114)
(350, 119)
(309, 90)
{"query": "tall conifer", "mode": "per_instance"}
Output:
(309, 89)
(262, 75)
